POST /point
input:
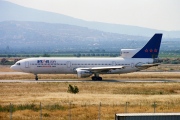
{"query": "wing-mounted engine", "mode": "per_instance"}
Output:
(83, 73)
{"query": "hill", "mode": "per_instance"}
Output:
(36, 37)
(39, 37)
(10, 11)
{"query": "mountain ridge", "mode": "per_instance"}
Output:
(41, 36)
(10, 11)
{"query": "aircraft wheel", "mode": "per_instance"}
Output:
(99, 78)
(94, 78)
(36, 78)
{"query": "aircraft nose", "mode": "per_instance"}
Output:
(16, 68)
(13, 67)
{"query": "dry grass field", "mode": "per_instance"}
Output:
(55, 100)
(5, 68)
(58, 104)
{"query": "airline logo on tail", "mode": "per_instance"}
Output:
(151, 49)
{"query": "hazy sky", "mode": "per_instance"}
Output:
(157, 14)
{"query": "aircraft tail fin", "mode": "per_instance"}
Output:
(151, 49)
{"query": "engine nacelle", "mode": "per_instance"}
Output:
(83, 73)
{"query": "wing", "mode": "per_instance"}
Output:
(101, 69)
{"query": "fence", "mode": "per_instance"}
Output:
(86, 111)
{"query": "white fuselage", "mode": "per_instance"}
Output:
(131, 60)
(68, 65)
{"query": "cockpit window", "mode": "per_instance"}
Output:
(18, 64)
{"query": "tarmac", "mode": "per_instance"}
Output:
(81, 80)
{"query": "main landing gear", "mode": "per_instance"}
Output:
(96, 77)
(36, 77)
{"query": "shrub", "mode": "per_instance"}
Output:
(72, 89)
(46, 115)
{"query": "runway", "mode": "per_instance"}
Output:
(76, 80)
(89, 80)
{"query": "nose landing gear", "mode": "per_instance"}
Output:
(36, 77)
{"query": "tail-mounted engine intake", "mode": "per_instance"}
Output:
(83, 73)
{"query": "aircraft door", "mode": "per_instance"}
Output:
(26, 64)
(68, 64)
(132, 65)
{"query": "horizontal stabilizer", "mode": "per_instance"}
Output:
(146, 65)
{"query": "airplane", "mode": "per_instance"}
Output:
(131, 60)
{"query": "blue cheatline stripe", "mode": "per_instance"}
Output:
(151, 49)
